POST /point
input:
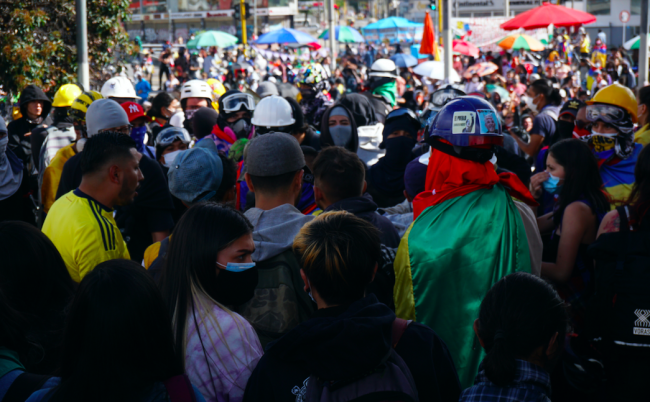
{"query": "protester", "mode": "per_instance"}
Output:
(543, 100)
(580, 204)
(274, 164)
(386, 177)
(119, 306)
(313, 103)
(15, 203)
(163, 107)
(523, 340)
(338, 128)
(142, 88)
(203, 122)
(195, 94)
(469, 198)
(350, 334)
(137, 119)
(36, 289)
(383, 88)
(170, 142)
(339, 185)
(233, 127)
(81, 223)
(208, 270)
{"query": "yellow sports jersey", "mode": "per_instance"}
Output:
(84, 232)
(52, 176)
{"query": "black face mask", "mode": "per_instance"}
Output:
(564, 129)
(308, 93)
(398, 150)
(235, 288)
(241, 127)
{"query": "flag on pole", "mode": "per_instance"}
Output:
(428, 44)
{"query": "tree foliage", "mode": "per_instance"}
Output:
(38, 41)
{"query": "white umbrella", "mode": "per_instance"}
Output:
(435, 70)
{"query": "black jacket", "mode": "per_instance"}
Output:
(19, 130)
(365, 208)
(345, 342)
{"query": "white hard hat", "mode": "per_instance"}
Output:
(273, 111)
(383, 68)
(119, 87)
(196, 89)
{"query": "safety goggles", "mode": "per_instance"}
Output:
(167, 136)
(234, 103)
(607, 113)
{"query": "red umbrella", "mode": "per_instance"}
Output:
(314, 45)
(547, 14)
(465, 48)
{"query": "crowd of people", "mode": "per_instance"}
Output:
(272, 230)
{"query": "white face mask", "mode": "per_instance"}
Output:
(474, 79)
(530, 104)
(169, 158)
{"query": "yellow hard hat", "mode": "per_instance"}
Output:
(617, 95)
(81, 103)
(66, 95)
(217, 87)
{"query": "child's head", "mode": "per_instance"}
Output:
(521, 317)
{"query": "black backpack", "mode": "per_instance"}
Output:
(618, 318)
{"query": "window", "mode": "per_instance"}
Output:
(599, 7)
(635, 7)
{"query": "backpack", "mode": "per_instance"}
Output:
(618, 319)
(391, 381)
(280, 302)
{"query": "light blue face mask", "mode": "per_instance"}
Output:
(552, 185)
(237, 266)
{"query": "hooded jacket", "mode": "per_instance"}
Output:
(19, 130)
(325, 136)
(363, 112)
(348, 341)
(275, 229)
(365, 208)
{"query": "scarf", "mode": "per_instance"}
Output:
(449, 177)
(388, 91)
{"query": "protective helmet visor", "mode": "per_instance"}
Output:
(234, 103)
(167, 136)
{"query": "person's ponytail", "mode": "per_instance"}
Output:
(551, 93)
(499, 363)
(554, 97)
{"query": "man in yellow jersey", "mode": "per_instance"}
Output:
(80, 223)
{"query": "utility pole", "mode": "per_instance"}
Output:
(643, 46)
(82, 44)
(446, 35)
(242, 8)
(255, 18)
(332, 28)
(506, 8)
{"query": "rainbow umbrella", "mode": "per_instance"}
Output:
(344, 34)
(481, 69)
(212, 38)
(634, 43)
(521, 41)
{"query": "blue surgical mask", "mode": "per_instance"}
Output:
(138, 133)
(237, 266)
(552, 185)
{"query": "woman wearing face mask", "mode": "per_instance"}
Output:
(474, 85)
(163, 107)
(169, 143)
(339, 129)
(580, 204)
(15, 204)
(544, 100)
(208, 268)
(386, 178)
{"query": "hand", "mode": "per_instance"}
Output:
(536, 183)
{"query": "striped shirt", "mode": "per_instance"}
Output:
(85, 233)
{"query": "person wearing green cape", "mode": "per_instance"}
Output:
(383, 87)
(469, 231)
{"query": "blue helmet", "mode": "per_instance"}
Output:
(467, 121)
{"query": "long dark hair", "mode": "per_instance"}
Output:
(163, 99)
(582, 179)
(639, 199)
(518, 315)
(189, 273)
(37, 288)
(118, 339)
(551, 94)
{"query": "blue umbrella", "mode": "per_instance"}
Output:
(344, 34)
(403, 60)
(393, 22)
(285, 35)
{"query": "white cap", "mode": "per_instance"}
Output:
(196, 89)
(119, 87)
(273, 111)
(103, 114)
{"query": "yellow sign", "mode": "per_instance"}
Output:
(459, 24)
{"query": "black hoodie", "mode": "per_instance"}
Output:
(345, 342)
(362, 110)
(325, 136)
(19, 130)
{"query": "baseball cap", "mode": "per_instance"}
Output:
(196, 174)
(571, 107)
(273, 154)
(103, 114)
(133, 110)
